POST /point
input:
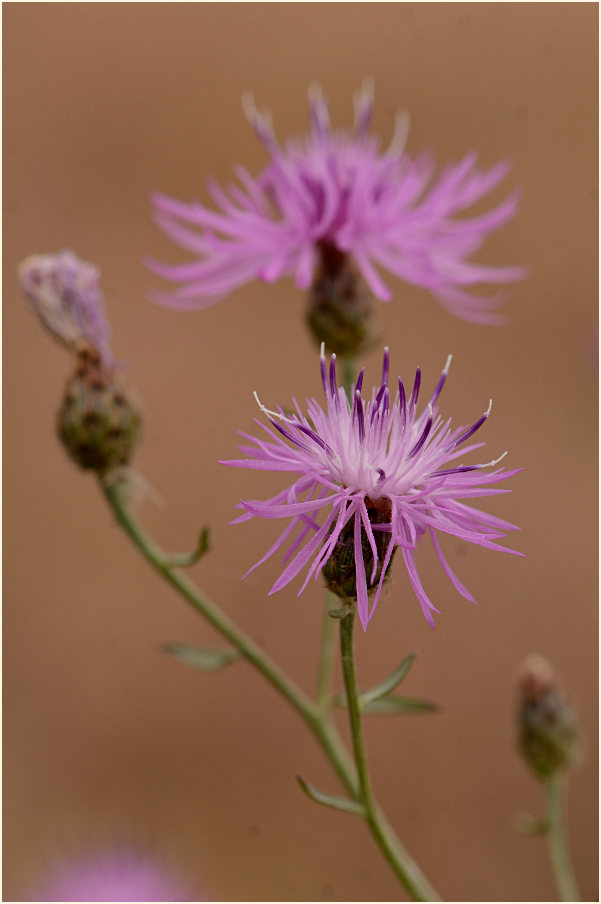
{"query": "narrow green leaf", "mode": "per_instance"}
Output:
(187, 559)
(389, 684)
(382, 689)
(199, 658)
(327, 800)
(385, 706)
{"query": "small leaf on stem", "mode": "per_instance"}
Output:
(391, 705)
(389, 684)
(199, 658)
(328, 800)
(187, 559)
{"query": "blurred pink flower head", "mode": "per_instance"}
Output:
(120, 875)
(63, 291)
(335, 189)
(381, 475)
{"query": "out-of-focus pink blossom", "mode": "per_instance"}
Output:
(386, 210)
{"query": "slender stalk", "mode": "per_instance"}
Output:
(347, 655)
(318, 720)
(398, 858)
(558, 843)
(324, 731)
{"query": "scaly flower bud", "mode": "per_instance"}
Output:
(547, 728)
(97, 422)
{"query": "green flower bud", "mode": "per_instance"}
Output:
(97, 423)
(339, 305)
(547, 727)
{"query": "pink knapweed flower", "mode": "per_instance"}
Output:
(380, 475)
(334, 189)
(120, 875)
(63, 291)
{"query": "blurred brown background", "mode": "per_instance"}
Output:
(105, 737)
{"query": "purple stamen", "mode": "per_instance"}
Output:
(386, 405)
(385, 366)
(440, 383)
(423, 436)
(314, 436)
(359, 385)
(402, 401)
(287, 434)
(333, 385)
(460, 470)
(473, 428)
(360, 418)
(375, 409)
(324, 371)
(415, 391)
(383, 426)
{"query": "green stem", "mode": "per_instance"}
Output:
(558, 843)
(318, 720)
(398, 858)
(324, 731)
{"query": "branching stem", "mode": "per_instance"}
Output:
(316, 716)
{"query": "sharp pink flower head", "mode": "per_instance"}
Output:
(339, 189)
(63, 291)
(372, 475)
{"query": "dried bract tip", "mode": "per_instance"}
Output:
(63, 291)
(339, 310)
(547, 727)
(97, 423)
